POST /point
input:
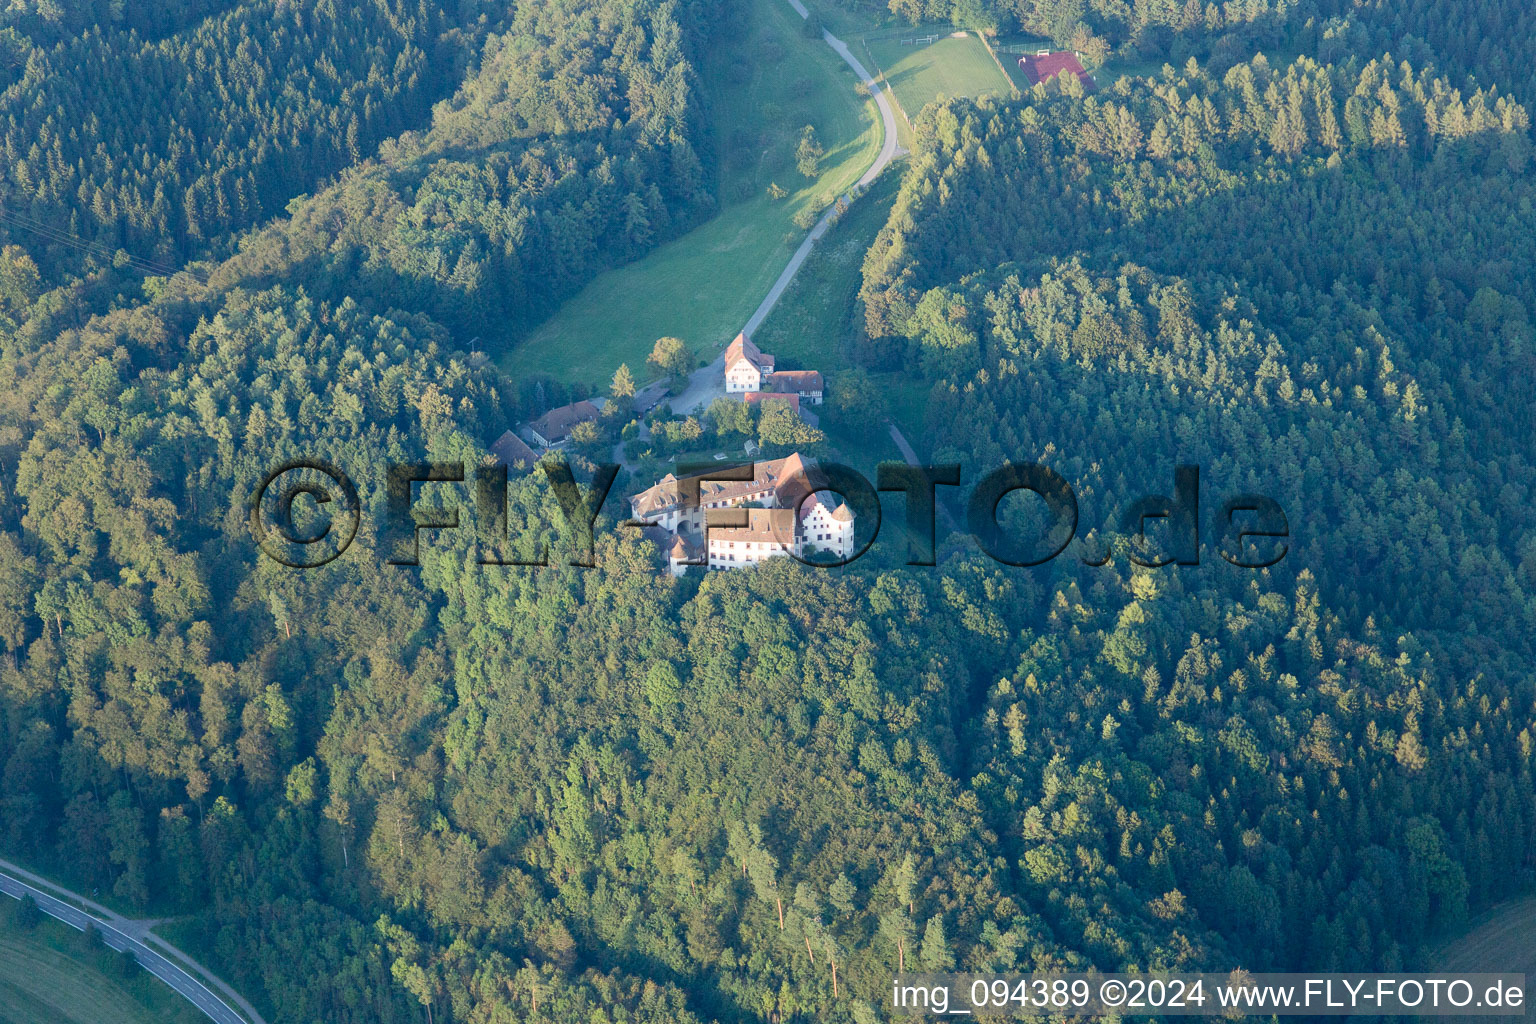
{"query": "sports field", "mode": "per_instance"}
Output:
(703, 287)
(951, 66)
(47, 977)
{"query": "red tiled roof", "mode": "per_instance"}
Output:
(754, 397)
(764, 526)
(741, 347)
(778, 476)
(1043, 67)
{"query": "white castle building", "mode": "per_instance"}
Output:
(773, 526)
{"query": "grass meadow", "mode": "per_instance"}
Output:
(952, 66)
(49, 976)
(703, 287)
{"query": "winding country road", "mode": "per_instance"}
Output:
(705, 384)
(121, 933)
(888, 152)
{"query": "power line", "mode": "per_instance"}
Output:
(96, 248)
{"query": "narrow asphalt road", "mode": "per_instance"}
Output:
(120, 933)
(910, 454)
(705, 385)
(888, 152)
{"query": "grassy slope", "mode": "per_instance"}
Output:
(1503, 939)
(950, 67)
(704, 286)
(815, 324)
(47, 977)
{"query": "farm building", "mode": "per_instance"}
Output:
(1046, 66)
(805, 384)
(755, 397)
(511, 452)
(554, 427)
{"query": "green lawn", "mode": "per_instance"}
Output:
(47, 976)
(816, 325)
(951, 66)
(704, 286)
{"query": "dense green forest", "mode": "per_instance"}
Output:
(229, 118)
(462, 791)
(569, 145)
(1067, 275)
(1484, 43)
(1492, 44)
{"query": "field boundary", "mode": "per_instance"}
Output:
(1017, 92)
(884, 82)
(883, 97)
(705, 284)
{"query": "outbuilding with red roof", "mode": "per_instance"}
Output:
(1046, 66)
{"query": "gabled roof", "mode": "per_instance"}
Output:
(1043, 67)
(789, 398)
(794, 464)
(785, 478)
(797, 478)
(796, 380)
(764, 526)
(510, 450)
(556, 424)
(740, 348)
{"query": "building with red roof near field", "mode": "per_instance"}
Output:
(1046, 66)
(806, 384)
(745, 365)
(756, 397)
(553, 428)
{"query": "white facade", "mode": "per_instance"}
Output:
(774, 532)
(822, 529)
(770, 533)
(743, 375)
(772, 526)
